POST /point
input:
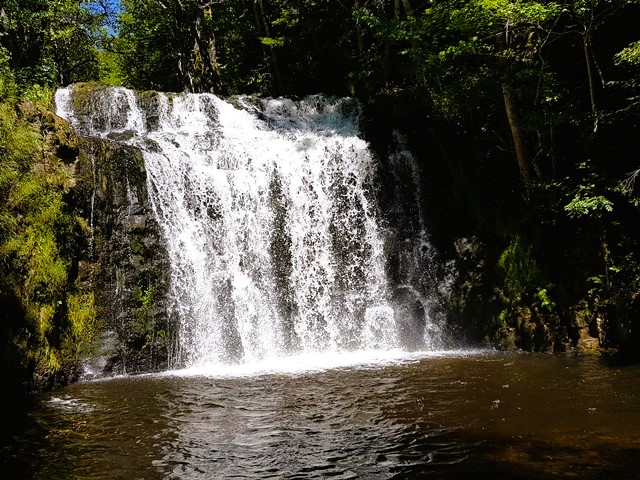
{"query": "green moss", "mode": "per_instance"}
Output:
(148, 95)
(84, 94)
(137, 245)
(144, 318)
(582, 316)
(81, 314)
(519, 268)
(8, 86)
(19, 141)
(50, 318)
(527, 305)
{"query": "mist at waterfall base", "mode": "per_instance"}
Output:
(269, 213)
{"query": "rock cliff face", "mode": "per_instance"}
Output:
(126, 260)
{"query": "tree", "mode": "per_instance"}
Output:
(170, 44)
(459, 48)
(585, 18)
(50, 42)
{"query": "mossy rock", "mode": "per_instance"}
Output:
(129, 251)
(505, 339)
(588, 346)
(527, 336)
(84, 95)
(580, 316)
(59, 137)
(149, 102)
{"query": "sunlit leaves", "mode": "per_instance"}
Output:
(52, 41)
(585, 204)
(629, 55)
(273, 42)
(520, 11)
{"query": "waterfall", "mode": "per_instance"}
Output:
(268, 211)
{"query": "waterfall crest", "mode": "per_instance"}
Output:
(268, 210)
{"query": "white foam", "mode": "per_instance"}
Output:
(313, 362)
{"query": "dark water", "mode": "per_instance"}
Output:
(478, 416)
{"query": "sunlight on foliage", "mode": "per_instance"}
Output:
(519, 268)
(82, 323)
(586, 205)
(629, 55)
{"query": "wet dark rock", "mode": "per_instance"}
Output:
(59, 138)
(121, 136)
(584, 331)
(472, 299)
(127, 255)
(149, 102)
(505, 339)
(151, 145)
(562, 342)
(136, 223)
(616, 325)
(207, 106)
(579, 317)
(469, 249)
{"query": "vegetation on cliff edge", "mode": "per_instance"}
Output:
(47, 314)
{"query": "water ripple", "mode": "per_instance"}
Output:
(434, 416)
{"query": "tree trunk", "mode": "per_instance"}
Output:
(182, 46)
(514, 123)
(205, 61)
(513, 117)
(592, 88)
(263, 29)
(359, 38)
(407, 8)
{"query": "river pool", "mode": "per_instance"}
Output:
(444, 416)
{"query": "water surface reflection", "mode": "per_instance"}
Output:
(480, 416)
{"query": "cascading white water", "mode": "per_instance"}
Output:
(267, 209)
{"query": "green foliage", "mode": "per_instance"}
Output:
(519, 269)
(46, 319)
(81, 314)
(629, 55)
(585, 204)
(52, 42)
(588, 200)
(273, 42)
(146, 329)
(545, 300)
(41, 96)
(520, 12)
(145, 298)
(179, 45)
(110, 68)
